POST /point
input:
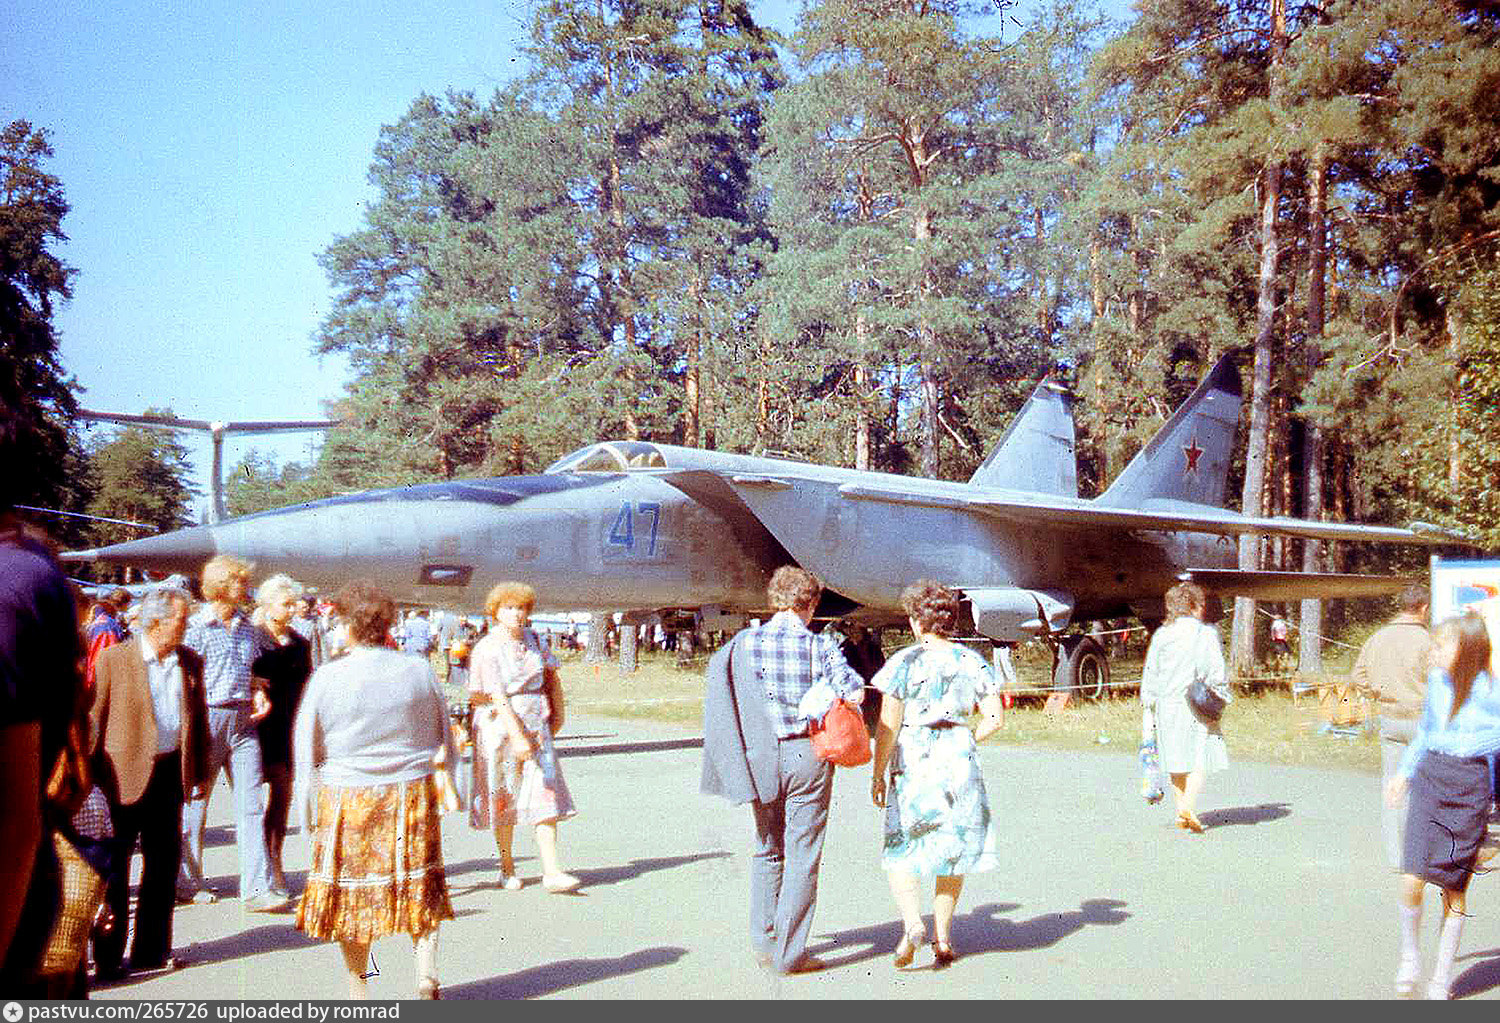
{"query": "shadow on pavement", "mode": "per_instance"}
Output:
(872, 942)
(983, 931)
(592, 877)
(218, 835)
(980, 930)
(1246, 815)
(654, 746)
(561, 975)
(268, 937)
(1481, 977)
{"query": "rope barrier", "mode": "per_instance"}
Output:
(1318, 636)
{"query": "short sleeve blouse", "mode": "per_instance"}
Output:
(496, 667)
(936, 684)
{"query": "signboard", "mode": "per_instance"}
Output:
(1469, 585)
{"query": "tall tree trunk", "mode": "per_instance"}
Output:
(763, 397)
(622, 299)
(1310, 626)
(1454, 324)
(1096, 275)
(1278, 476)
(1242, 643)
(595, 652)
(929, 421)
(926, 336)
(691, 424)
(861, 398)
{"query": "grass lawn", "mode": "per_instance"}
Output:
(1263, 724)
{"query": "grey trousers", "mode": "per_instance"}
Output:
(1395, 735)
(788, 850)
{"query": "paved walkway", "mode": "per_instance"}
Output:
(1101, 896)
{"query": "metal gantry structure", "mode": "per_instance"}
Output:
(217, 430)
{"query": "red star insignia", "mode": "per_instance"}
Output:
(1192, 452)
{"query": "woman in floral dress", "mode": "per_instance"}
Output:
(937, 817)
(518, 708)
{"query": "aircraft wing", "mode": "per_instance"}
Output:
(1173, 516)
(710, 490)
(1229, 582)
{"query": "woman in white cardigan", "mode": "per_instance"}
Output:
(1184, 650)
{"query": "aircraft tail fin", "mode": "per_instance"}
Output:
(1188, 459)
(1036, 453)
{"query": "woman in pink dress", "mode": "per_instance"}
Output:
(518, 707)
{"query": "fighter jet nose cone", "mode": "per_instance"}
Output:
(182, 551)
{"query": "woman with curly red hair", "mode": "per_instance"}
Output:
(518, 708)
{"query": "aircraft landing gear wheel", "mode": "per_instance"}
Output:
(1082, 669)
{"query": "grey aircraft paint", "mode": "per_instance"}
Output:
(637, 526)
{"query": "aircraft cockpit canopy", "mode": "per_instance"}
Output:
(611, 456)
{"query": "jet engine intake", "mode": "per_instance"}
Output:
(1012, 615)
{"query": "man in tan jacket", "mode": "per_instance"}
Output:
(148, 730)
(1392, 668)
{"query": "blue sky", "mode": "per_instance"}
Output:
(209, 152)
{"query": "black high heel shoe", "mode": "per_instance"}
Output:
(942, 955)
(906, 948)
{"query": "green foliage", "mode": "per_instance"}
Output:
(653, 234)
(1475, 507)
(256, 484)
(918, 181)
(554, 265)
(141, 476)
(39, 451)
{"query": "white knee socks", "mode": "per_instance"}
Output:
(1411, 961)
(1453, 928)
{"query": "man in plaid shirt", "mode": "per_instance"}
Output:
(224, 637)
(788, 659)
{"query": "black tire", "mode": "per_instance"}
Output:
(1082, 668)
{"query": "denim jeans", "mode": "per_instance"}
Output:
(233, 745)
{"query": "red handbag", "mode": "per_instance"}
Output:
(842, 738)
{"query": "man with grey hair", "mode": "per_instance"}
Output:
(148, 739)
(1392, 668)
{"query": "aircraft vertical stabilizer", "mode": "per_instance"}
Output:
(1036, 452)
(1188, 459)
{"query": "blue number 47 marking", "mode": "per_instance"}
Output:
(654, 510)
(622, 533)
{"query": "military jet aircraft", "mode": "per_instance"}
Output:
(637, 526)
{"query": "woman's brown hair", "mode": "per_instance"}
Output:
(1185, 599)
(367, 611)
(1472, 639)
(932, 606)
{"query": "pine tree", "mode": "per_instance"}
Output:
(918, 177)
(41, 453)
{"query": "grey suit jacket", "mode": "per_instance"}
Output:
(739, 744)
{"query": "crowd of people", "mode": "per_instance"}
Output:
(334, 711)
(326, 715)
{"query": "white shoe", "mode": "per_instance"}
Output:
(560, 884)
(1407, 976)
(1439, 992)
(510, 882)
